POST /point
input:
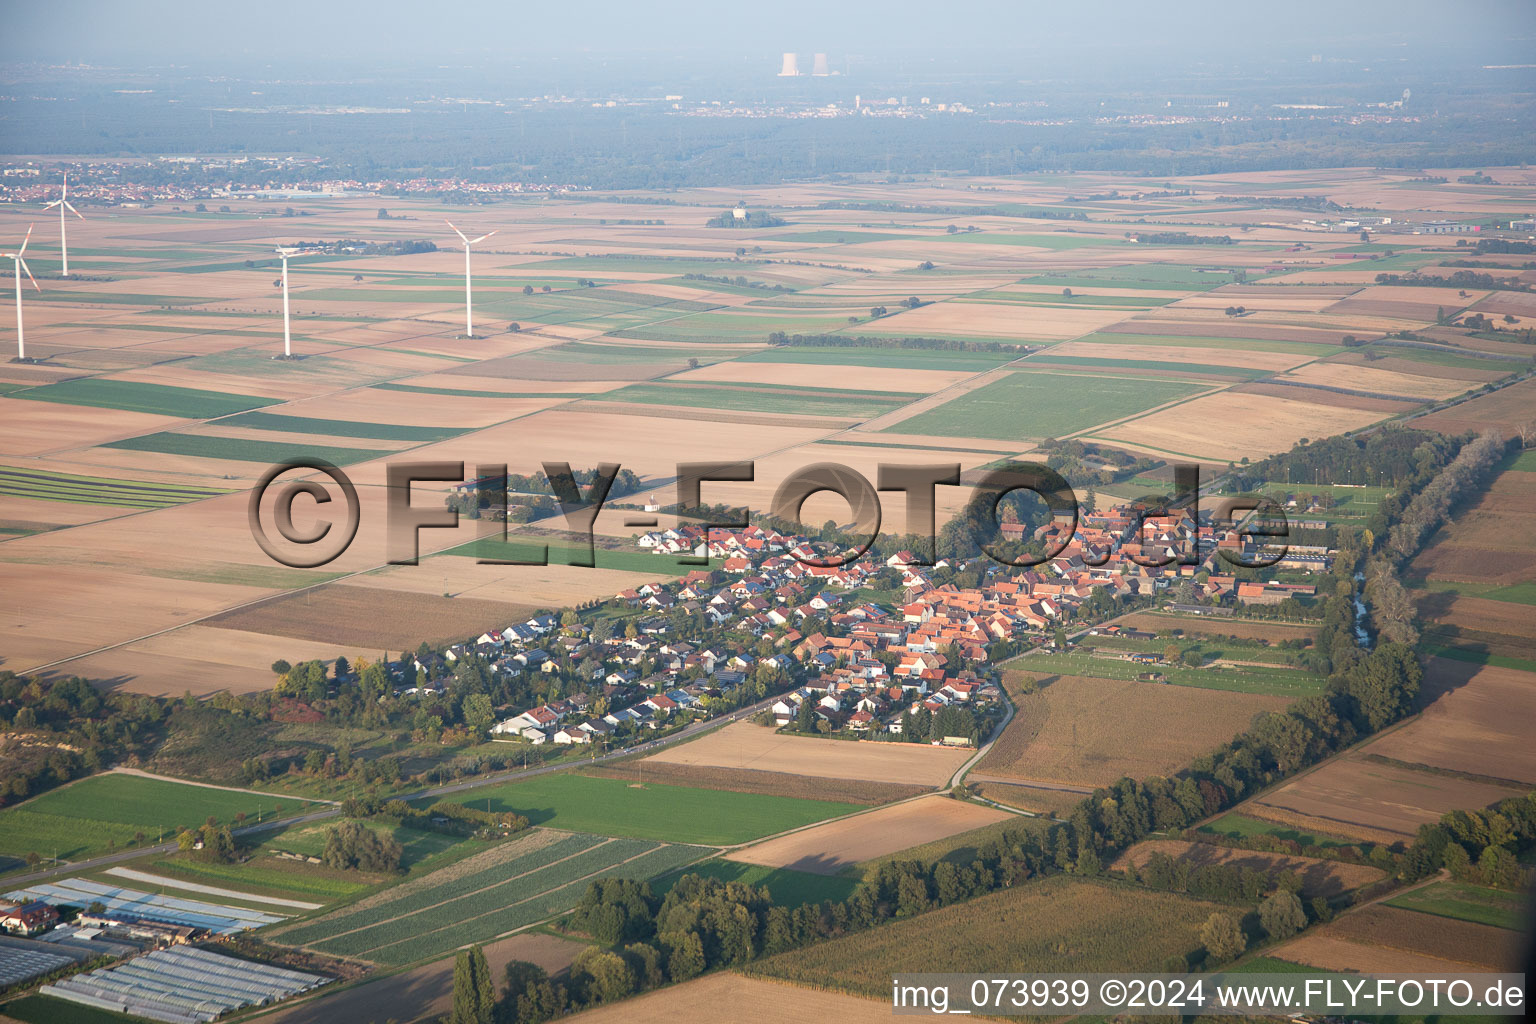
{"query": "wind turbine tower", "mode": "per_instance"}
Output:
(287, 336)
(63, 204)
(20, 264)
(469, 324)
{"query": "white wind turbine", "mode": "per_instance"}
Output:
(287, 337)
(63, 204)
(469, 326)
(20, 264)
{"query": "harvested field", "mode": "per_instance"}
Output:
(1228, 426)
(730, 998)
(1318, 877)
(1477, 724)
(373, 618)
(1274, 632)
(1226, 328)
(1503, 410)
(830, 848)
(1332, 953)
(1380, 926)
(746, 780)
(1369, 378)
(745, 745)
(1055, 924)
(1056, 803)
(1385, 803)
(1332, 399)
(1006, 320)
(1087, 732)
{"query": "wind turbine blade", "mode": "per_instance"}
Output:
(24, 241)
(457, 231)
(72, 210)
(64, 192)
(28, 269)
(477, 241)
(51, 205)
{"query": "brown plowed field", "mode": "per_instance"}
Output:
(1082, 731)
(832, 847)
(373, 618)
(729, 998)
(747, 745)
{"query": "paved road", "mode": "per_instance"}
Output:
(688, 732)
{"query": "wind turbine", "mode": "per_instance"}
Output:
(20, 264)
(469, 327)
(63, 204)
(287, 337)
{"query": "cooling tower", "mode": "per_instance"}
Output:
(791, 66)
(819, 68)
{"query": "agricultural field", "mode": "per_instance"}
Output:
(1326, 878)
(1391, 940)
(1460, 901)
(159, 390)
(101, 812)
(1082, 731)
(515, 883)
(755, 780)
(835, 847)
(656, 811)
(1037, 405)
(790, 888)
(701, 1000)
(1384, 801)
(746, 745)
(1058, 924)
(17, 482)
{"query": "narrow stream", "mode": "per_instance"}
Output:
(1362, 637)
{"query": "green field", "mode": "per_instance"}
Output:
(761, 398)
(340, 428)
(42, 485)
(131, 396)
(443, 910)
(672, 814)
(1058, 241)
(1279, 682)
(1300, 348)
(1468, 903)
(81, 819)
(522, 550)
(897, 358)
(790, 888)
(417, 389)
(1035, 405)
(239, 449)
(1152, 276)
(266, 876)
(1150, 365)
(1514, 593)
(1240, 826)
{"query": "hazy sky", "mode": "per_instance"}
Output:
(197, 32)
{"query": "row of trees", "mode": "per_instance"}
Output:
(866, 341)
(1428, 509)
(1482, 846)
